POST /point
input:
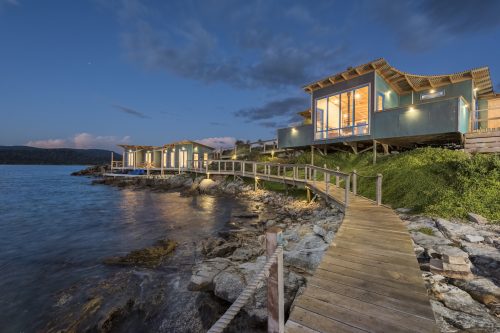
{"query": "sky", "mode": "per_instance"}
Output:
(96, 73)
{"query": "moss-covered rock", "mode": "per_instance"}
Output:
(147, 257)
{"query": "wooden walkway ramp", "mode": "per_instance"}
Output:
(368, 280)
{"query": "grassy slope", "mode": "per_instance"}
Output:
(432, 181)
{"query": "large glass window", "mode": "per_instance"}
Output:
(343, 114)
(321, 121)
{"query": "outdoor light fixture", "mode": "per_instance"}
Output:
(387, 93)
(475, 89)
(432, 91)
(234, 157)
(294, 131)
(411, 109)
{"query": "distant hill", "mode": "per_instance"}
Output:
(32, 155)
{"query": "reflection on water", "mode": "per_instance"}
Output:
(56, 229)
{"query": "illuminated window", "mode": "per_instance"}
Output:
(343, 114)
(380, 102)
(172, 159)
(130, 159)
(195, 160)
(165, 159)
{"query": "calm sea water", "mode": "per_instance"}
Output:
(56, 229)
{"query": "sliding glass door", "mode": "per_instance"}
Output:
(343, 114)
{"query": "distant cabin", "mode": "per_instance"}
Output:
(172, 156)
(376, 102)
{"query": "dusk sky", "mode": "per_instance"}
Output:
(91, 74)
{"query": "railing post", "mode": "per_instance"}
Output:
(347, 182)
(243, 167)
(354, 182)
(315, 174)
(327, 183)
(233, 168)
(337, 178)
(275, 285)
(218, 163)
(379, 189)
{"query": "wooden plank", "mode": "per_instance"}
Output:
(366, 316)
(410, 306)
(320, 323)
(371, 285)
(381, 271)
(293, 327)
(483, 150)
(483, 139)
(482, 134)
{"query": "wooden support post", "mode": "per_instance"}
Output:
(337, 179)
(327, 183)
(386, 148)
(294, 172)
(374, 152)
(243, 167)
(255, 184)
(112, 161)
(379, 189)
(234, 171)
(123, 160)
(308, 194)
(275, 284)
(315, 175)
(354, 182)
(312, 155)
(346, 191)
(206, 170)
(218, 163)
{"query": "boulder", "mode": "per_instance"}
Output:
(428, 241)
(474, 238)
(484, 256)
(205, 272)
(470, 323)
(207, 185)
(224, 249)
(306, 255)
(476, 218)
(319, 231)
(244, 253)
(454, 231)
(456, 299)
(482, 290)
(437, 266)
(450, 261)
(229, 284)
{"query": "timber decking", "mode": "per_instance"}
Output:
(368, 280)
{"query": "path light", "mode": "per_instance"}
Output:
(272, 153)
(234, 156)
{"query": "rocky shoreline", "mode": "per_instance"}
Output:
(461, 269)
(460, 262)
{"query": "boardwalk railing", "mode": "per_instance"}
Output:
(320, 179)
(273, 271)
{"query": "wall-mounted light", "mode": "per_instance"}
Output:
(294, 131)
(388, 93)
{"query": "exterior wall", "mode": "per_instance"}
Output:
(298, 136)
(464, 89)
(436, 117)
(391, 99)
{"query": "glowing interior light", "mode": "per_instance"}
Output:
(357, 96)
(387, 93)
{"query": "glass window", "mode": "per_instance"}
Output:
(321, 118)
(380, 102)
(172, 159)
(361, 109)
(333, 115)
(343, 114)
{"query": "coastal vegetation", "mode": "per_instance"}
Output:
(67, 156)
(430, 181)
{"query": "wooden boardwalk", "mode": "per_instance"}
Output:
(368, 280)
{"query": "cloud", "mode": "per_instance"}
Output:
(82, 141)
(219, 142)
(277, 113)
(421, 25)
(130, 111)
(247, 49)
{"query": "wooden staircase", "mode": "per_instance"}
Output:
(482, 142)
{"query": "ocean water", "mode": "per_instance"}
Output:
(56, 229)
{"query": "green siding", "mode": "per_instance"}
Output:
(298, 136)
(391, 100)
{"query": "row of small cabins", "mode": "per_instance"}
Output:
(372, 103)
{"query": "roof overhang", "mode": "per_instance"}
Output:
(403, 82)
(139, 147)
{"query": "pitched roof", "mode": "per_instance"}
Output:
(186, 142)
(139, 147)
(403, 82)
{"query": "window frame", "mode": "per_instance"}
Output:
(324, 133)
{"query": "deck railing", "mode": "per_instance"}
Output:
(307, 175)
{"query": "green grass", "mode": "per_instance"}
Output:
(426, 230)
(431, 181)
